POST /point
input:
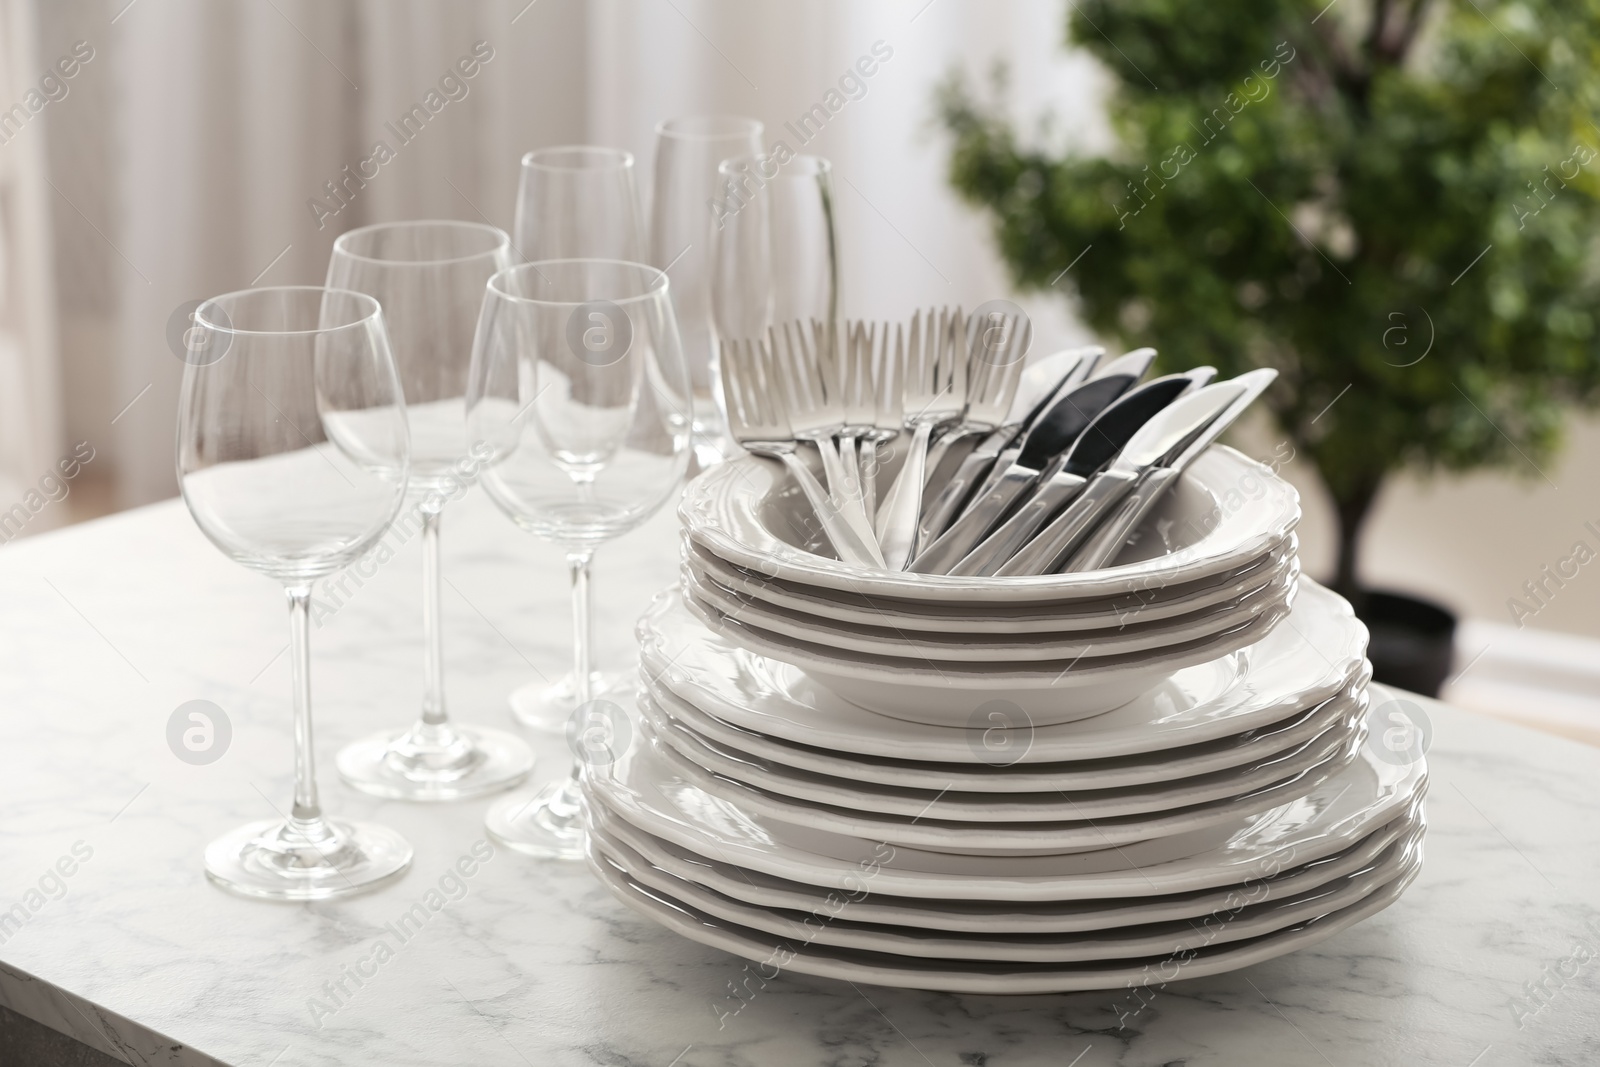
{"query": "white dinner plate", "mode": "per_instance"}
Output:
(949, 804)
(933, 833)
(866, 904)
(888, 639)
(1145, 605)
(980, 977)
(1318, 652)
(997, 773)
(843, 929)
(1224, 512)
(946, 694)
(1330, 818)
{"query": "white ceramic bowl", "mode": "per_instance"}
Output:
(1224, 513)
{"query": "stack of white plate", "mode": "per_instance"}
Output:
(996, 836)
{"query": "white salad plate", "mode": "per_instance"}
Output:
(1046, 691)
(986, 977)
(1317, 653)
(930, 831)
(948, 804)
(642, 790)
(1151, 604)
(1225, 512)
(996, 772)
(843, 929)
(887, 639)
(866, 905)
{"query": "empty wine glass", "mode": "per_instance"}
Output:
(292, 456)
(688, 151)
(574, 202)
(774, 257)
(580, 397)
(578, 202)
(430, 278)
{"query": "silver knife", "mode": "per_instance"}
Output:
(1057, 373)
(1072, 474)
(1017, 469)
(1108, 539)
(1160, 437)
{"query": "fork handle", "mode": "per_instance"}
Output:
(897, 522)
(845, 489)
(867, 475)
(845, 540)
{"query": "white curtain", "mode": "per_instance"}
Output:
(30, 407)
(191, 144)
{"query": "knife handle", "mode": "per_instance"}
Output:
(982, 516)
(1054, 492)
(936, 516)
(1103, 545)
(1055, 542)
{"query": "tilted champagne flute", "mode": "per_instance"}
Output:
(292, 456)
(580, 397)
(430, 278)
(574, 202)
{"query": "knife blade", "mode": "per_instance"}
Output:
(1109, 537)
(1059, 485)
(1162, 437)
(1018, 466)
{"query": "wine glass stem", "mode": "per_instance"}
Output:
(433, 710)
(578, 564)
(306, 809)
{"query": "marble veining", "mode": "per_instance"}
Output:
(1492, 958)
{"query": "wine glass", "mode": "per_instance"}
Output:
(688, 151)
(774, 257)
(574, 202)
(578, 202)
(580, 396)
(430, 277)
(293, 454)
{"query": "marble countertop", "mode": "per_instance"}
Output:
(1492, 958)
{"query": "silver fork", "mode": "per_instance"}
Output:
(757, 420)
(994, 367)
(887, 371)
(809, 389)
(852, 347)
(935, 394)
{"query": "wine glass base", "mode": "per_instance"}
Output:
(548, 708)
(280, 860)
(435, 763)
(543, 825)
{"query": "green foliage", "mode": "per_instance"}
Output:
(1324, 221)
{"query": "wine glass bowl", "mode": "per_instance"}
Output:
(430, 277)
(292, 456)
(580, 397)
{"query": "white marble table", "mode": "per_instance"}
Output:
(1492, 958)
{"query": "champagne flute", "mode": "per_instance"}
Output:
(574, 202)
(688, 151)
(580, 397)
(578, 202)
(292, 456)
(430, 277)
(774, 256)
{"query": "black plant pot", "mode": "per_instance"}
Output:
(1412, 640)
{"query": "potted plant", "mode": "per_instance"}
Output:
(1395, 203)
